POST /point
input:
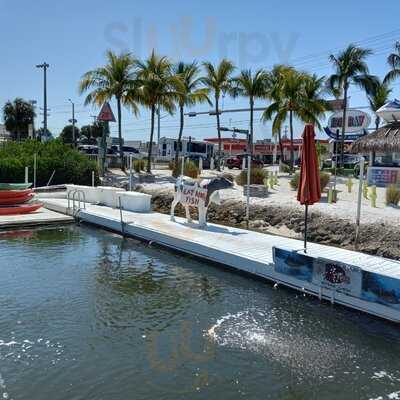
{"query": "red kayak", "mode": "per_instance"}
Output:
(16, 200)
(20, 209)
(11, 194)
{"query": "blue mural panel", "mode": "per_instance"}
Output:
(297, 265)
(381, 289)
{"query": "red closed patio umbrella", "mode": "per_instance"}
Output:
(309, 191)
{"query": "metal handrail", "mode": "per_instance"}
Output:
(76, 195)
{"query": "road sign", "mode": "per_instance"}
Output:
(106, 113)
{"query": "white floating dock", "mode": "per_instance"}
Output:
(244, 250)
(42, 216)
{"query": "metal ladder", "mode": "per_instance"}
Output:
(76, 195)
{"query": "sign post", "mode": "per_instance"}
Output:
(105, 116)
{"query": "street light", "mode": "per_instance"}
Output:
(73, 120)
(44, 66)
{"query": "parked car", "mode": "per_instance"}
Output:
(237, 162)
(126, 149)
(350, 161)
(90, 149)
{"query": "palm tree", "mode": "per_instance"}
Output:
(253, 86)
(274, 93)
(114, 79)
(394, 63)
(350, 68)
(18, 115)
(189, 94)
(301, 97)
(378, 98)
(156, 87)
(218, 80)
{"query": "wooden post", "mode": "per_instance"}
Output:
(360, 194)
(248, 190)
(34, 169)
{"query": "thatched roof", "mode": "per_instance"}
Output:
(385, 140)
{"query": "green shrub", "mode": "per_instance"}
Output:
(139, 165)
(294, 181)
(69, 165)
(392, 195)
(287, 169)
(324, 179)
(257, 176)
(190, 169)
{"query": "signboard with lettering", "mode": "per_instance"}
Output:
(383, 176)
(193, 195)
(356, 120)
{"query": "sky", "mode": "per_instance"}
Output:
(73, 37)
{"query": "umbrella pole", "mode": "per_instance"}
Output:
(305, 228)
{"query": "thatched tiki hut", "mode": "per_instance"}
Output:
(383, 147)
(384, 140)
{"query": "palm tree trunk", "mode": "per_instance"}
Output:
(219, 133)
(280, 144)
(121, 150)
(178, 144)
(344, 124)
(153, 111)
(251, 125)
(291, 140)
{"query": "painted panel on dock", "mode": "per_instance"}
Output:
(294, 264)
(381, 289)
(337, 276)
(328, 274)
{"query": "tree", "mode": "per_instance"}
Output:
(188, 94)
(156, 87)
(253, 86)
(378, 98)
(92, 131)
(67, 136)
(274, 93)
(18, 115)
(301, 97)
(394, 62)
(114, 79)
(350, 68)
(218, 80)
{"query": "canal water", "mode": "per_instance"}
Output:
(86, 314)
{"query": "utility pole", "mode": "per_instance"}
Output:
(73, 121)
(44, 66)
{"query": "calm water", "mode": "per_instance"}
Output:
(87, 315)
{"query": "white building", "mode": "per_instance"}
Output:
(4, 134)
(190, 147)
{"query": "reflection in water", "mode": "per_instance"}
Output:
(147, 288)
(86, 314)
